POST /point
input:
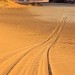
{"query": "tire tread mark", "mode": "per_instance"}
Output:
(35, 47)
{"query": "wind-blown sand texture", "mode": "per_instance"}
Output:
(37, 40)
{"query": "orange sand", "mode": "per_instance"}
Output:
(33, 41)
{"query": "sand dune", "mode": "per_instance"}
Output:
(10, 3)
(30, 45)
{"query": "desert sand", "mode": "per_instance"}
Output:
(37, 40)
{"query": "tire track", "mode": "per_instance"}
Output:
(44, 63)
(3, 56)
(46, 44)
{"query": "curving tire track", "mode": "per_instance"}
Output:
(34, 61)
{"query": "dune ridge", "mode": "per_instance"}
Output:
(10, 4)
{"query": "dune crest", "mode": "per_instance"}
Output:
(9, 3)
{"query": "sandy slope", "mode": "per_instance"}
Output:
(30, 43)
(62, 54)
(10, 4)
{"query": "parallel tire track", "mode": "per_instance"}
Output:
(43, 67)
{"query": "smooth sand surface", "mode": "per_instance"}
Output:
(37, 40)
